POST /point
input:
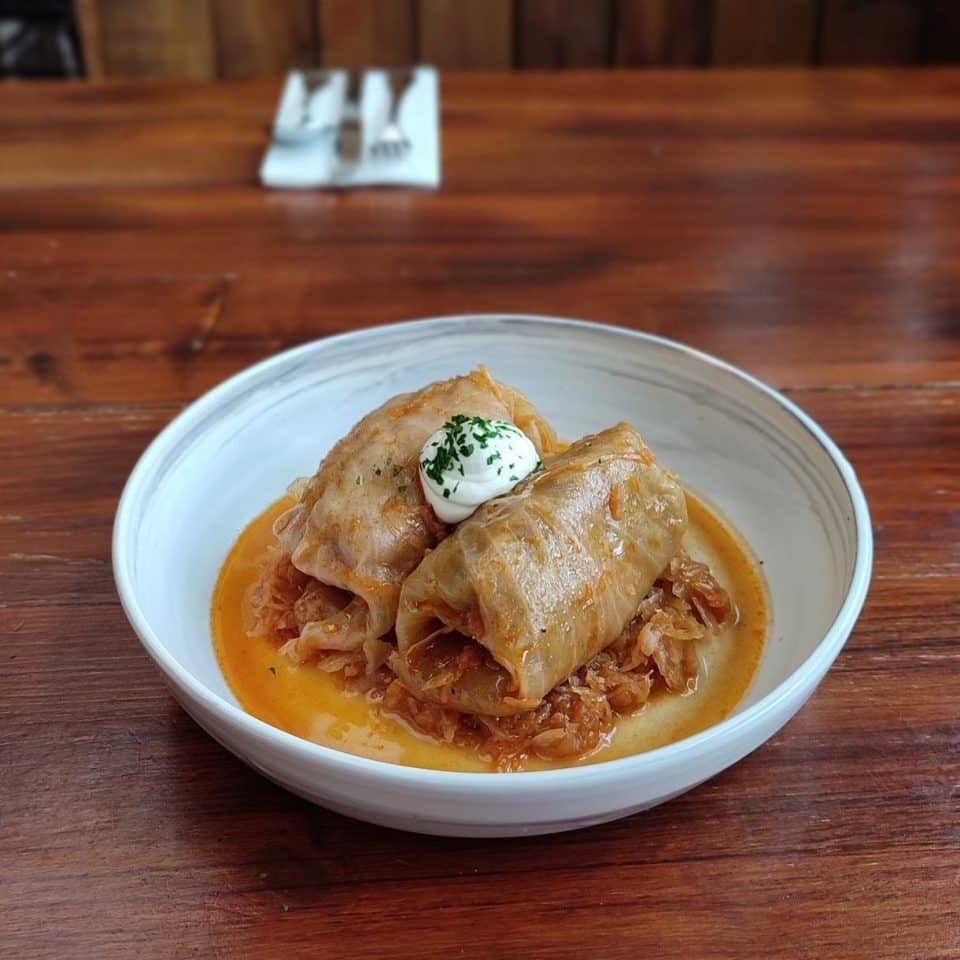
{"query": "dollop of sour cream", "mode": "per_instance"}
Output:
(470, 460)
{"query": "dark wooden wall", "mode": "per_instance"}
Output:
(201, 39)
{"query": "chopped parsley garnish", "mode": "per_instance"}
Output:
(359, 480)
(377, 471)
(462, 435)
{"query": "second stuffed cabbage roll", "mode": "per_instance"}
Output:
(362, 523)
(535, 583)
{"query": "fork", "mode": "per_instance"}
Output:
(393, 143)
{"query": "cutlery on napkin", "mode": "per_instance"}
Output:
(330, 125)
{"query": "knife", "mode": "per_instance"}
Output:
(307, 128)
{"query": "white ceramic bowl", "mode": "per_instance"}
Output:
(775, 473)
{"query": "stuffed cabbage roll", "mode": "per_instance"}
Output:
(361, 524)
(537, 582)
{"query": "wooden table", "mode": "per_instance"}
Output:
(805, 226)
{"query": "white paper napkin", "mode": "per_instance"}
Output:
(312, 161)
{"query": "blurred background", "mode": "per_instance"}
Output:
(204, 39)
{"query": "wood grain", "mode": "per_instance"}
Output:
(157, 39)
(745, 254)
(663, 33)
(359, 33)
(941, 32)
(466, 36)
(746, 33)
(263, 37)
(564, 33)
(805, 226)
(871, 32)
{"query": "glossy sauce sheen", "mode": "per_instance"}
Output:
(312, 704)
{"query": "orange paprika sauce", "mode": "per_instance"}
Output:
(312, 704)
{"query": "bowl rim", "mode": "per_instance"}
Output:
(491, 783)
